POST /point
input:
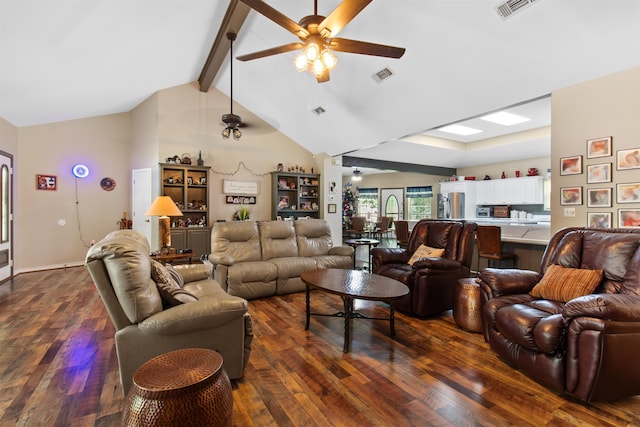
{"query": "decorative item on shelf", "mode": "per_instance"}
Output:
(163, 207)
(200, 161)
(280, 167)
(532, 172)
(124, 223)
(517, 174)
(186, 159)
(486, 178)
(503, 176)
(173, 160)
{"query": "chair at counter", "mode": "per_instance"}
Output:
(489, 241)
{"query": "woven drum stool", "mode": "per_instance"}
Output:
(180, 388)
(466, 305)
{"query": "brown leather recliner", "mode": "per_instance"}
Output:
(588, 346)
(431, 281)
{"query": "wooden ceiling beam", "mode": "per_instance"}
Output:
(232, 22)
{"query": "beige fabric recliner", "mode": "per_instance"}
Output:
(120, 267)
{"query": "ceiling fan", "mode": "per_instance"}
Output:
(318, 37)
(233, 122)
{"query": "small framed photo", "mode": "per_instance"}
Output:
(599, 147)
(571, 165)
(331, 208)
(599, 219)
(628, 159)
(628, 193)
(599, 197)
(284, 202)
(599, 173)
(46, 182)
(629, 218)
(571, 196)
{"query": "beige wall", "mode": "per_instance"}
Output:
(609, 106)
(190, 123)
(55, 228)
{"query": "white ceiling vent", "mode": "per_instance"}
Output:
(318, 110)
(511, 7)
(382, 74)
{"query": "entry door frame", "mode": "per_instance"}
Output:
(6, 247)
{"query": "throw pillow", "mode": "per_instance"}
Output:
(564, 284)
(170, 291)
(424, 251)
(175, 274)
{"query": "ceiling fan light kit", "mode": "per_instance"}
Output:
(318, 34)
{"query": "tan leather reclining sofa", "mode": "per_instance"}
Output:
(120, 267)
(264, 258)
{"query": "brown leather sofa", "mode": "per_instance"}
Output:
(587, 346)
(120, 267)
(431, 280)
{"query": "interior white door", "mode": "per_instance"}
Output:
(142, 198)
(392, 202)
(6, 224)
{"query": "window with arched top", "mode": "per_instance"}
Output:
(392, 207)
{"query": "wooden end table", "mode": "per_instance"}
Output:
(350, 285)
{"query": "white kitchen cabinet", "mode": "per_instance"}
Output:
(511, 191)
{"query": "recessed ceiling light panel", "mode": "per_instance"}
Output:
(459, 130)
(505, 119)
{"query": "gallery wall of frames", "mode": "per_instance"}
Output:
(598, 164)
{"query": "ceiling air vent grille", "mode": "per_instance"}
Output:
(319, 110)
(382, 74)
(511, 7)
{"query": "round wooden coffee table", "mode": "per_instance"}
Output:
(350, 285)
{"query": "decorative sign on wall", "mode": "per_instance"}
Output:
(46, 182)
(240, 187)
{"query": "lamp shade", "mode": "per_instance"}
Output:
(163, 206)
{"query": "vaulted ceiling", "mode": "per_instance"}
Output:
(78, 58)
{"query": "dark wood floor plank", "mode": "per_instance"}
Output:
(58, 367)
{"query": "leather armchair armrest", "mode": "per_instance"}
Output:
(221, 259)
(341, 251)
(193, 272)
(195, 316)
(437, 263)
(508, 281)
(389, 256)
(617, 307)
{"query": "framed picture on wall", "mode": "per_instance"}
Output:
(599, 219)
(628, 159)
(628, 193)
(599, 173)
(599, 147)
(46, 182)
(599, 197)
(571, 196)
(629, 218)
(571, 165)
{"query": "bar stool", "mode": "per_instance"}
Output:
(489, 241)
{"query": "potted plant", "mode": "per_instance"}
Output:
(242, 214)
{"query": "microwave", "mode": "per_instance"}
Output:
(483, 212)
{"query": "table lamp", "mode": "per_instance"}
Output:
(163, 207)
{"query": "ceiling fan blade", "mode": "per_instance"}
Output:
(277, 17)
(341, 16)
(365, 48)
(273, 51)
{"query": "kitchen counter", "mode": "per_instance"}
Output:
(525, 231)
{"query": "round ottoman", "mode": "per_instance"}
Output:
(183, 387)
(466, 305)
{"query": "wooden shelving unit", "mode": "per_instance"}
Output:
(295, 195)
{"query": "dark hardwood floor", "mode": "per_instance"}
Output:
(58, 368)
